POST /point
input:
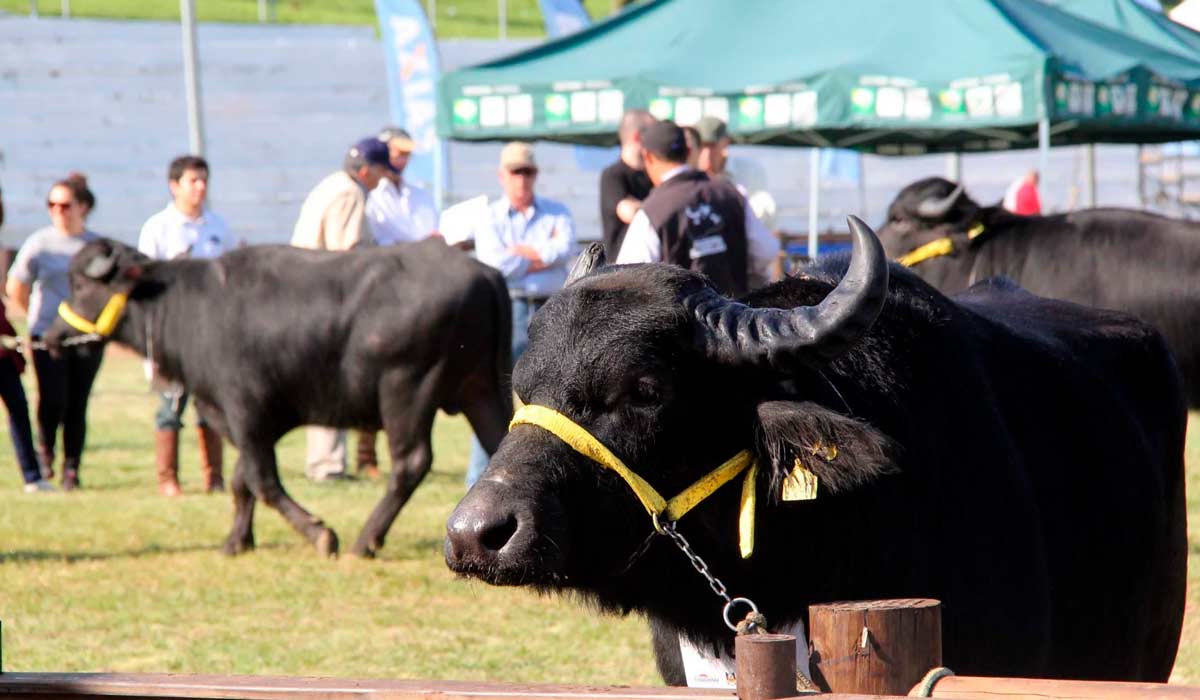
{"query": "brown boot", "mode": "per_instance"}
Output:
(211, 459)
(166, 453)
(368, 463)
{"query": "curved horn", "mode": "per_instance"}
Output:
(933, 208)
(591, 258)
(733, 333)
(98, 268)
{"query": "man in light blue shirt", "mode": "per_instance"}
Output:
(186, 227)
(530, 239)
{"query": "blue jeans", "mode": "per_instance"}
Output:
(170, 411)
(522, 313)
(19, 428)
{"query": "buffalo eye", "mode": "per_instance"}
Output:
(646, 391)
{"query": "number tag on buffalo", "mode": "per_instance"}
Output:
(800, 485)
(709, 245)
(706, 671)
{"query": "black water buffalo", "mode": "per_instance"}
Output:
(1133, 261)
(268, 338)
(1019, 458)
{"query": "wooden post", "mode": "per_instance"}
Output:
(881, 647)
(766, 666)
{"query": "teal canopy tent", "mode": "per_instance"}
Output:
(1143, 23)
(873, 75)
(1139, 21)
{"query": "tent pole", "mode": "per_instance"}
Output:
(191, 77)
(954, 166)
(814, 194)
(1043, 152)
(1141, 176)
(1089, 172)
(440, 178)
(864, 213)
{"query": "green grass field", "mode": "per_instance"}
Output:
(455, 18)
(116, 578)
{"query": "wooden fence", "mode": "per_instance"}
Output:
(83, 686)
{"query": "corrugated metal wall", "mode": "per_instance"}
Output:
(282, 102)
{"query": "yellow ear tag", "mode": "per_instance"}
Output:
(800, 485)
(974, 232)
(826, 452)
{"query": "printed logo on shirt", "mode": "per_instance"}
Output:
(706, 246)
(702, 212)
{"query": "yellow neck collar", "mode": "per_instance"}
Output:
(936, 248)
(105, 324)
(932, 249)
(587, 445)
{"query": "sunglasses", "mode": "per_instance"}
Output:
(524, 172)
(59, 205)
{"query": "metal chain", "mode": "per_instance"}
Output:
(753, 619)
(13, 342)
(697, 562)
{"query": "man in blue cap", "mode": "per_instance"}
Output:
(333, 217)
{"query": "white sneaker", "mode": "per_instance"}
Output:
(40, 486)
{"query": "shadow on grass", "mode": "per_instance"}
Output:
(25, 556)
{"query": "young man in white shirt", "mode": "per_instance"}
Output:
(186, 227)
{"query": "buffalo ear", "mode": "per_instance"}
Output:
(98, 268)
(843, 452)
(591, 258)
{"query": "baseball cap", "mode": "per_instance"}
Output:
(517, 154)
(665, 139)
(395, 136)
(711, 129)
(370, 151)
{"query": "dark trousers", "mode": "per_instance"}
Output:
(13, 395)
(64, 384)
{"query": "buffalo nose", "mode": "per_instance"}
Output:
(475, 534)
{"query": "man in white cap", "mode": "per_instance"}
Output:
(530, 239)
(398, 212)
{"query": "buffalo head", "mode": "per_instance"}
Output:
(932, 226)
(100, 272)
(673, 379)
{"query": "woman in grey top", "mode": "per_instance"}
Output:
(37, 283)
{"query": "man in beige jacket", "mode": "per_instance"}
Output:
(333, 217)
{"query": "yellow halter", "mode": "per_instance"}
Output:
(587, 445)
(105, 323)
(936, 248)
(933, 249)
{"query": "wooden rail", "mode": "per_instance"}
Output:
(159, 686)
